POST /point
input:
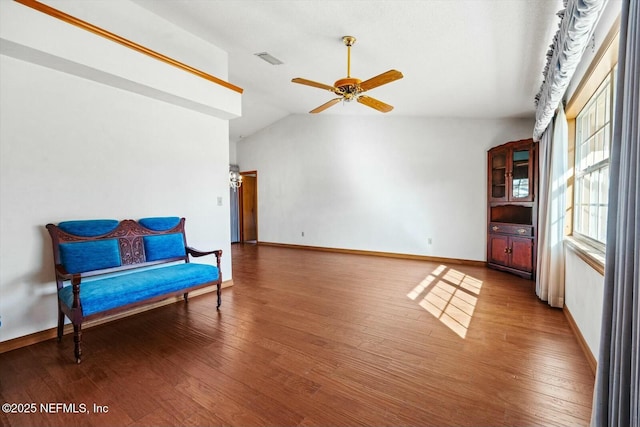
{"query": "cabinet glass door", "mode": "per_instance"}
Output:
(499, 175)
(520, 179)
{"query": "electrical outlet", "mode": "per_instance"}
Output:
(429, 240)
(219, 201)
(303, 234)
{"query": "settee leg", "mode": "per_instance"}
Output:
(60, 324)
(77, 338)
(219, 298)
(186, 296)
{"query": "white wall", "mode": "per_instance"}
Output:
(583, 298)
(132, 20)
(74, 148)
(378, 183)
(64, 47)
(233, 149)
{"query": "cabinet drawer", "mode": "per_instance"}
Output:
(514, 229)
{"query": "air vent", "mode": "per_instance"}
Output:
(270, 59)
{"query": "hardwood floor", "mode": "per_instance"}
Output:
(315, 338)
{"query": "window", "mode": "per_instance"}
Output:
(590, 119)
(593, 140)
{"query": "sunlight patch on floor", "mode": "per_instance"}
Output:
(451, 296)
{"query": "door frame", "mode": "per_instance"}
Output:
(253, 173)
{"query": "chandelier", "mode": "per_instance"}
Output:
(235, 180)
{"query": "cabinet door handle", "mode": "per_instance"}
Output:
(522, 230)
(495, 228)
(506, 250)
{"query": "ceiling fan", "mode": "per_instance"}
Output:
(350, 88)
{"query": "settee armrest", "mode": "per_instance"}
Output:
(76, 278)
(196, 253)
(218, 253)
(62, 272)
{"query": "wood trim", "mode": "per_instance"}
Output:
(602, 63)
(380, 254)
(125, 42)
(592, 256)
(49, 334)
(593, 364)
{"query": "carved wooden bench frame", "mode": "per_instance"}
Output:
(130, 236)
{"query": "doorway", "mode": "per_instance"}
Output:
(248, 207)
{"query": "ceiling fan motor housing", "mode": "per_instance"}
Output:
(348, 87)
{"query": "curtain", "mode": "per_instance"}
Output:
(617, 390)
(577, 23)
(551, 205)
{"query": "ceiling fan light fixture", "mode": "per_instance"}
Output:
(266, 56)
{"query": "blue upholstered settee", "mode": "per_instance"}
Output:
(105, 266)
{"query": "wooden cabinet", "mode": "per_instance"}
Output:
(511, 252)
(511, 172)
(512, 208)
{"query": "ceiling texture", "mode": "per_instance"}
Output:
(460, 58)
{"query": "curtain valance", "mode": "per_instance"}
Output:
(577, 23)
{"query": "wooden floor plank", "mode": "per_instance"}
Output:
(307, 338)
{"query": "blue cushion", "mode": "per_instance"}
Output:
(105, 294)
(86, 256)
(89, 228)
(164, 246)
(159, 223)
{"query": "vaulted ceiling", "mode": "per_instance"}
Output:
(460, 58)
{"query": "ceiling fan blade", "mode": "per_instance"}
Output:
(326, 105)
(374, 103)
(381, 79)
(314, 84)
